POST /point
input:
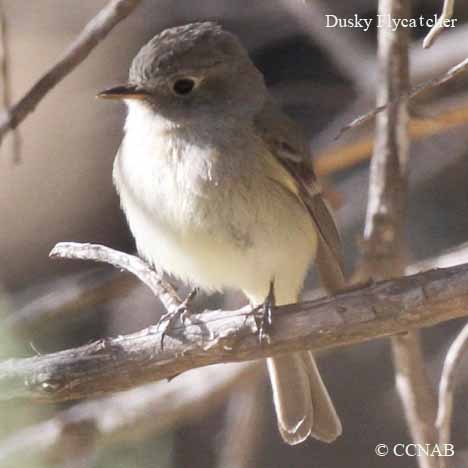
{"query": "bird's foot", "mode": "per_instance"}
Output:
(170, 319)
(264, 319)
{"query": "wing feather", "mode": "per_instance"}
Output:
(286, 143)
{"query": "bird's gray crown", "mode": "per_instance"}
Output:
(194, 45)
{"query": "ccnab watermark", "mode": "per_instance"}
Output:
(415, 450)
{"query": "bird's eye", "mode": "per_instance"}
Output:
(183, 86)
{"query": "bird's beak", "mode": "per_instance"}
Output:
(123, 92)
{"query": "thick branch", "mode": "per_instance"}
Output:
(386, 208)
(93, 33)
(218, 336)
(384, 247)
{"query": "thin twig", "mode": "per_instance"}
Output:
(447, 12)
(452, 47)
(415, 92)
(451, 367)
(130, 263)
(384, 244)
(5, 72)
(91, 35)
(217, 336)
(345, 156)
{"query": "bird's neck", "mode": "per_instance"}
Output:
(217, 132)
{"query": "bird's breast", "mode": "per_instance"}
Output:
(210, 214)
(183, 188)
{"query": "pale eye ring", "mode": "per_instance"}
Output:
(184, 86)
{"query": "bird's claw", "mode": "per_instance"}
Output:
(264, 320)
(168, 321)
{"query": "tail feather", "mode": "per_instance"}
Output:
(303, 406)
(326, 425)
(292, 397)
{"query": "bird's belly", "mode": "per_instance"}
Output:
(212, 255)
(190, 240)
(217, 233)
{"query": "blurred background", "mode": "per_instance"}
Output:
(62, 191)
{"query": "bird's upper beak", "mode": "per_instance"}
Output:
(123, 92)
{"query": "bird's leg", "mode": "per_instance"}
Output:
(168, 321)
(264, 322)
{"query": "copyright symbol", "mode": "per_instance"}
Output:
(381, 450)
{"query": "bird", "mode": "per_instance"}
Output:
(218, 189)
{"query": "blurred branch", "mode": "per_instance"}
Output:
(386, 208)
(243, 426)
(348, 155)
(217, 336)
(148, 409)
(384, 246)
(354, 57)
(93, 33)
(425, 66)
(5, 71)
(134, 265)
(452, 363)
(452, 47)
(450, 257)
(447, 12)
(407, 95)
(62, 297)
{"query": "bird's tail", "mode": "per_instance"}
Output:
(303, 405)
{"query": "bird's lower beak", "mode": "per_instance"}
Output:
(123, 92)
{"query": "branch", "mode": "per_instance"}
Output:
(447, 12)
(149, 409)
(243, 426)
(348, 155)
(93, 33)
(155, 407)
(384, 247)
(414, 93)
(447, 258)
(386, 209)
(120, 260)
(217, 336)
(451, 367)
(5, 71)
(45, 304)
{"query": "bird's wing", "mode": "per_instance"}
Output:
(285, 141)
